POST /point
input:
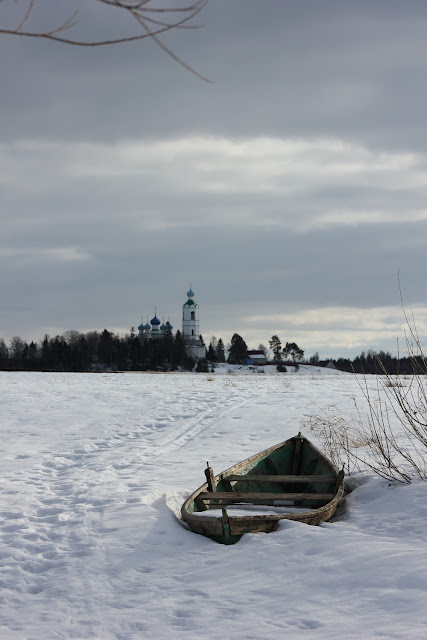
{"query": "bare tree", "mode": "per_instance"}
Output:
(263, 348)
(16, 348)
(72, 337)
(4, 351)
(151, 22)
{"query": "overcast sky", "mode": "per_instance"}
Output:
(289, 191)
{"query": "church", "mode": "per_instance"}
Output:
(194, 346)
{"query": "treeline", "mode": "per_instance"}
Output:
(98, 351)
(380, 362)
(103, 351)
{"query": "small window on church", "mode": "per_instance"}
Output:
(192, 332)
(192, 315)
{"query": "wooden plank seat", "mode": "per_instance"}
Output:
(259, 497)
(277, 478)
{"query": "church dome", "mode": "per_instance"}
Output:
(190, 293)
(155, 321)
(168, 326)
(147, 327)
(141, 327)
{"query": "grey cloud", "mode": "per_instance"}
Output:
(345, 70)
(234, 268)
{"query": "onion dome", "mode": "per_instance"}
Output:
(190, 293)
(163, 327)
(168, 326)
(155, 321)
(147, 327)
(141, 327)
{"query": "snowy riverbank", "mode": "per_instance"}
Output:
(95, 468)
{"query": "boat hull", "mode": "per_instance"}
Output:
(293, 470)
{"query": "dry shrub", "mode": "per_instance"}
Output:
(339, 438)
(390, 439)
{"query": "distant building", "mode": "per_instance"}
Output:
(327, 364)
(153, 329)
(256, 357)
(330, 365)
(194, 346)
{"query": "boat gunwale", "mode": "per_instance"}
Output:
(196, 516)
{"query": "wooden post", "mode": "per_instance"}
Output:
(225, 524)
(298, 441)
(340, 479)
(210, 478)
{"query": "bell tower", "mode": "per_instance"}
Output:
(190, 327)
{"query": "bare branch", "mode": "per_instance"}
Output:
(27, 15)
(395, 415)
(154, 34)
(140, 11)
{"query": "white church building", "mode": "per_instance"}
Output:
(194, 347)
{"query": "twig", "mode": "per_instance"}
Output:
(139, 10)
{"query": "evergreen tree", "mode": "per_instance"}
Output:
(135, 352)
(178, 350)
(105, 348)
(211, 355)
(32, 355)
(238, 350)
(58, 359)
(202, 366)
(45, 353)
(292, 349)
(276, 346)
(92, 341)
(120, 359)
(167, 349)
(220, 351)
(189, 363)
(154, 361)
(82, 354)
(144, 355)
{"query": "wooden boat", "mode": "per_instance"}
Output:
(292, 474)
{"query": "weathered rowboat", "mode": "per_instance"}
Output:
(289, 481)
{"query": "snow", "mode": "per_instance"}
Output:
(95, 469)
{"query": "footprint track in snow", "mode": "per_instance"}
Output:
(196, 425)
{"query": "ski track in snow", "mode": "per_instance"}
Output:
(95, 468)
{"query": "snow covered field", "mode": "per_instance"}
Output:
(95, 468)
